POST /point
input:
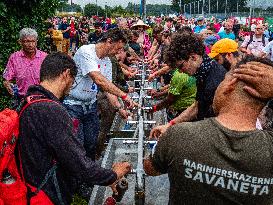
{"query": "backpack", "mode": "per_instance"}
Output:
(251, 39)
(13, 188)
(270, 35)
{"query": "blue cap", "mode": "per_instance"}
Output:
(210, 40)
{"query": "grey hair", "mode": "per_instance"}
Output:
(28, 32)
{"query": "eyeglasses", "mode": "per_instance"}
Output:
(259, 28)
(28, 41)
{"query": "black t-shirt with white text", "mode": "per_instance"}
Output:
(210, 164)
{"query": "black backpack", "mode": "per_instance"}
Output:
(270, 35)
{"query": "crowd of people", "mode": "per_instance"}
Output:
(215, 86)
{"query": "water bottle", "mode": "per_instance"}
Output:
(122, 187)
(15, 90)
(7, 178)
(150, 149)
(153, 145)
(127, 126)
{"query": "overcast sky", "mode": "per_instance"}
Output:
(118, 2)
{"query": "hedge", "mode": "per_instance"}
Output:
(15, 15)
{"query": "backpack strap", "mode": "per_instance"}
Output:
(52, 171)
(263, 40)
(31, 100)
(250, 40)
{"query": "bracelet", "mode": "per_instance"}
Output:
(172, 122)
(124, 97)
(154, 108)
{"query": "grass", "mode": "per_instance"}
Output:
(78, 200)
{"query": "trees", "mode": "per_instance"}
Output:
(65, 7)
(15, 15)
(92, 9)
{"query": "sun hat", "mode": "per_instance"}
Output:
(140, 23)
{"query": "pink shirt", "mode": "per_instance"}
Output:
(25, 71)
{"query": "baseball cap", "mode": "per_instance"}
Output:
(223, 46)
(210, 40)
(200, 18)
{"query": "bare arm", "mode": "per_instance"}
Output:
(162, 92)
(109, 87)
(164, 69)
(153, 49)
(124, 65)
(243, 49)
(149, 169)
(133, 53)
(7, 85)
(105, 84)
(166, 102)
(188, 115)
(117, 105)
(113, 100)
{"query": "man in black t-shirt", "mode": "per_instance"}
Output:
(186, 52)
(222, 160)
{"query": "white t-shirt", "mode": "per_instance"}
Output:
(268, 49)
(84, 89)
(256, 46)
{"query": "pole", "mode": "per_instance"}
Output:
(144, 11)
(97, 7)
(71, 6)
(237, 7)
(140, 9)
(209, 7)
(217, 6)
(198, 8)
(203, 12)
(194, 7)
(184, 9)
(105, 9)
(190, 8)
(253, 9)
(180, 5)
(226, 9)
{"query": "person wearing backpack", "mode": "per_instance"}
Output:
(255, 43)
(47, 137)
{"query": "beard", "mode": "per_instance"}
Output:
(226, 64)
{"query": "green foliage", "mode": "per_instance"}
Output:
(16, 15)
(77, 200)
(91, 10)
(65, 7)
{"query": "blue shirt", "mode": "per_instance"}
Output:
(198, 29)
(63, 27)
(223, 34)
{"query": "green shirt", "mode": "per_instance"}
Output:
(184, 88)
